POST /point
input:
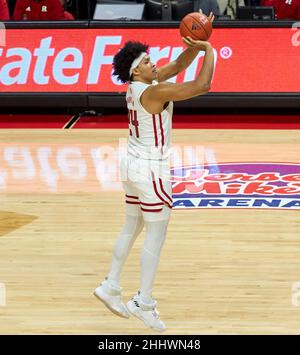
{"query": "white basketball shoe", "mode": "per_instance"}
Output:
(112, 299)
(146, 312)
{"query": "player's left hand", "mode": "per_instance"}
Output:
(197, 44)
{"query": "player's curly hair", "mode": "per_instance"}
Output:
(124, 58)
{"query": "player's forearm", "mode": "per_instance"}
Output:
(186, 58)
(206, 73)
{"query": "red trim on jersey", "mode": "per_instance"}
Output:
(157, 194)
(161, 131)
(132, 197)
(129, 122)
(163, 191)
(155, 130)
(136, 124)
(143, 209)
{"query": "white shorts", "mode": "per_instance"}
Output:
(148, 188)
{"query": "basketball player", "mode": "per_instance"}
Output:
(145, 171)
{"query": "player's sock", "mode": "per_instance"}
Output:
(154, 240)
(131, 229)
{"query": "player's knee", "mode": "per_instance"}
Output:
(162, 216)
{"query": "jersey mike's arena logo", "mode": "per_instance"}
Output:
(237, 185)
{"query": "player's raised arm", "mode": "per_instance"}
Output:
(164, 92)
(183, 61)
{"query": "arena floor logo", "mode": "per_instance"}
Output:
(237, 185)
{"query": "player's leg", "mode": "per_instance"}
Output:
(156, 232)
(109, 291)
(132, 228)
(142, 305)
(156, 215)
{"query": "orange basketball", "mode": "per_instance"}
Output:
(196, 25)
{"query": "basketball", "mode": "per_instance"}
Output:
(196, 25)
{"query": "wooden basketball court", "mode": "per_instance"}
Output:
(222, 271)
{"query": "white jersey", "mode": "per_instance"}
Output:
(149, 134)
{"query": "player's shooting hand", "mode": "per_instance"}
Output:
(197, 44)
(211, 16)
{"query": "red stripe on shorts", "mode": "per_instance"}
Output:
(132, 197)
(152, 204)
(163, 191)
(146, 210)
(132, 203)
(157, 194)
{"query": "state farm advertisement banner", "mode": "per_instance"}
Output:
(79, 60)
